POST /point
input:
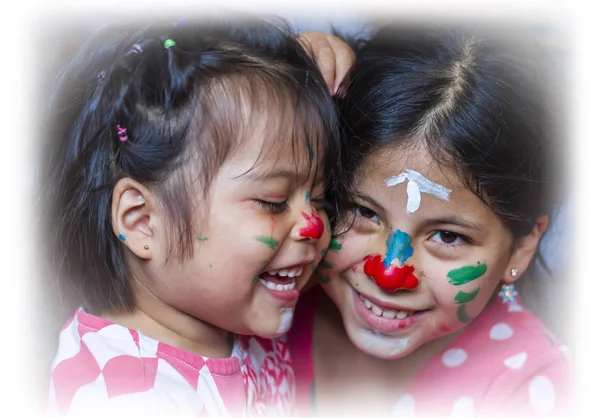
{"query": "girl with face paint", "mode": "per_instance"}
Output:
(184, 184)
(448, 135)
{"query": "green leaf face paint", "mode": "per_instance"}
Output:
(466, 274)
(464, 297)
(270, 242)
(201, 239)
(323, 278)
(335, 245)
(462, 314)
(326, 265)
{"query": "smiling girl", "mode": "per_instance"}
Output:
(448, 141)
(183, 188)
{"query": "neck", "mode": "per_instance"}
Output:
(156, 319)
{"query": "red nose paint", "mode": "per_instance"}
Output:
(314, 226)
(392, 278)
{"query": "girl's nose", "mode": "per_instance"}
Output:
(310, 226)
(390, 277)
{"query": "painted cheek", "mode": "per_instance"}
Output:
(314, 227)
(391, 278)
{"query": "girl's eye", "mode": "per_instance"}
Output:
(274, 207)
(366, 213)
(449, 238)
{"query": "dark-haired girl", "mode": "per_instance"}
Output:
(183, 201)
(450, 144)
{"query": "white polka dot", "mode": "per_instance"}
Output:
(463, 408)
(514, 307)
(567, 352)
(454, 357)
(405, 407)
(501, 331)
(517, 361)
(541, 394)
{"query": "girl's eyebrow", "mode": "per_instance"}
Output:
(257, 175)
(456, 220)
(379, 208)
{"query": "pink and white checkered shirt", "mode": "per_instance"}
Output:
(104, 369)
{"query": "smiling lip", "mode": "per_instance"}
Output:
(283, 288)
(385, 325)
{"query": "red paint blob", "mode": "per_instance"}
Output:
(314, 226)
(392, 278)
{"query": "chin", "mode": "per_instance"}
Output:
(275, 326)
(375, 344)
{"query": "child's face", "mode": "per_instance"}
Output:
(258, 244)
(459, 249)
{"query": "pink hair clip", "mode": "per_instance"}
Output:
(122, 132)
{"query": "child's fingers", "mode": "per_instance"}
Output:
(319, 46)
(344, 59)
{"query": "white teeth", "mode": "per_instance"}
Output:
(376, 310)
(278, 287)
(295, 272)
(388, 313)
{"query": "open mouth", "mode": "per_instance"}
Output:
(283, 280)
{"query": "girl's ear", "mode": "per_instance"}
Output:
(134, 217)
(524, 250)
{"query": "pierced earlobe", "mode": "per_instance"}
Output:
(514, 272)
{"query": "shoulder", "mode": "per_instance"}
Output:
(506, 361)
(102, 366)
(268, 375)
(510, 359)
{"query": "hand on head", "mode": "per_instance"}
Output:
(334, 56)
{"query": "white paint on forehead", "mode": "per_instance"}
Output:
(287, 314)
(374, 341)
(417, 184)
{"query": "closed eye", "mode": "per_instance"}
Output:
(274, 208)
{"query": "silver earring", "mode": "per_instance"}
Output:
(507, 293)
(514, 272)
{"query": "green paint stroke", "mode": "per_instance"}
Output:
(323, 278)
(323, 252)
(466, 274)
(462, 315)
(464, 297)
(271, 242)
(313, 267)
(328, 227)
(335, 245)
(326, 265)
(202, 239)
